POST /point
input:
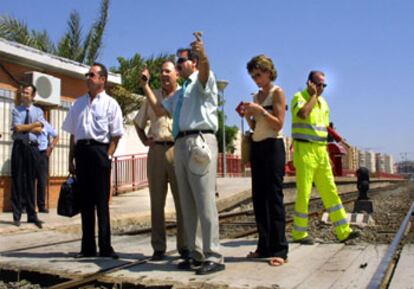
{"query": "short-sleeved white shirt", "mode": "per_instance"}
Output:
(99, 120)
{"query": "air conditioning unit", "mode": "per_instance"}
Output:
(48, 87)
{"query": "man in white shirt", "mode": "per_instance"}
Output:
(95, 126)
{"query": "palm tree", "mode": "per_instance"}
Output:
(129, 95)
(70, 45)
(17, 31)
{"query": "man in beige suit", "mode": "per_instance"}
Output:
(160, 168)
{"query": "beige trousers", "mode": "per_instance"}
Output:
(161, 172)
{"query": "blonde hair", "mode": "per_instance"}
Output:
(264, 63)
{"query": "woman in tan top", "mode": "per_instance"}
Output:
(265, 116)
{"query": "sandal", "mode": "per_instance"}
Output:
(277, 261)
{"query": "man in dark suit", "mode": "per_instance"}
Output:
(27, 123)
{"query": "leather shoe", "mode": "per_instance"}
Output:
(184, 253)
(16, 223)
(209, 267)
(189, 264)
(158, 256)
(84, 255)
(112, 255)
(37, 222)
(44, 210)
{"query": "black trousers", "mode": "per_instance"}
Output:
(93, 169)
(268, 169)
(42, 167)
(23, 160)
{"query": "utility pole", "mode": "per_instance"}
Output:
(221, 85)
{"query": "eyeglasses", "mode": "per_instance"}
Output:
(182, 60)
(90, 74)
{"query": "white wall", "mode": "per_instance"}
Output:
(130, 143)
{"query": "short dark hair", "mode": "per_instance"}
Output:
(34, 89)
(313, 73)
(263, 63)
(169, 61)
(192, 55)
(104, 71)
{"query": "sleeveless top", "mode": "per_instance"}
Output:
(263, 129)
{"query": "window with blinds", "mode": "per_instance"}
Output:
(58, 163)
(59, 160)
(6, 106)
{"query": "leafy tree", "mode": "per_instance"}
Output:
(129, 94)
(230, 135)
(70, 45)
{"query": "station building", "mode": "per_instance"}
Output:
(59, 82)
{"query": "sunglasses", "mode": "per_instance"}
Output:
(90, 74)
(182, 60)
(321, 85)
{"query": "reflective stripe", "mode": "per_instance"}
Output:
(300, 229)
(336, 208)
(301, 215)
(341, 222)
(305, 125)
(309, 137)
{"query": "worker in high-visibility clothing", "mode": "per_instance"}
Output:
(310, 119)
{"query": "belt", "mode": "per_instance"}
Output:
(301, 140)
(42, 152)
(165, 143)
(33, 143)
(27, 142)
(90, 142)
(190, 132)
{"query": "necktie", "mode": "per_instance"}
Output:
(26, 119)
(177, 110)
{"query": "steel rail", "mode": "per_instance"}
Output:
(90, 278)
(380, 274)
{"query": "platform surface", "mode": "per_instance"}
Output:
(403, 277)
(318, 266)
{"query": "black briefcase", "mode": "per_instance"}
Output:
(68, 203)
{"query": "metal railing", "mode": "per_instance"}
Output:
(129, 172)
(233, 166)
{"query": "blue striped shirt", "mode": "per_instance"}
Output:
(18, 117)
(43, 137)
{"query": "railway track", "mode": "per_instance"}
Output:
(245, 220)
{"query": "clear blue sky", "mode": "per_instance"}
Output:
(366, 49)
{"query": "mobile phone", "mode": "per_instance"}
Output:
(241, 109)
